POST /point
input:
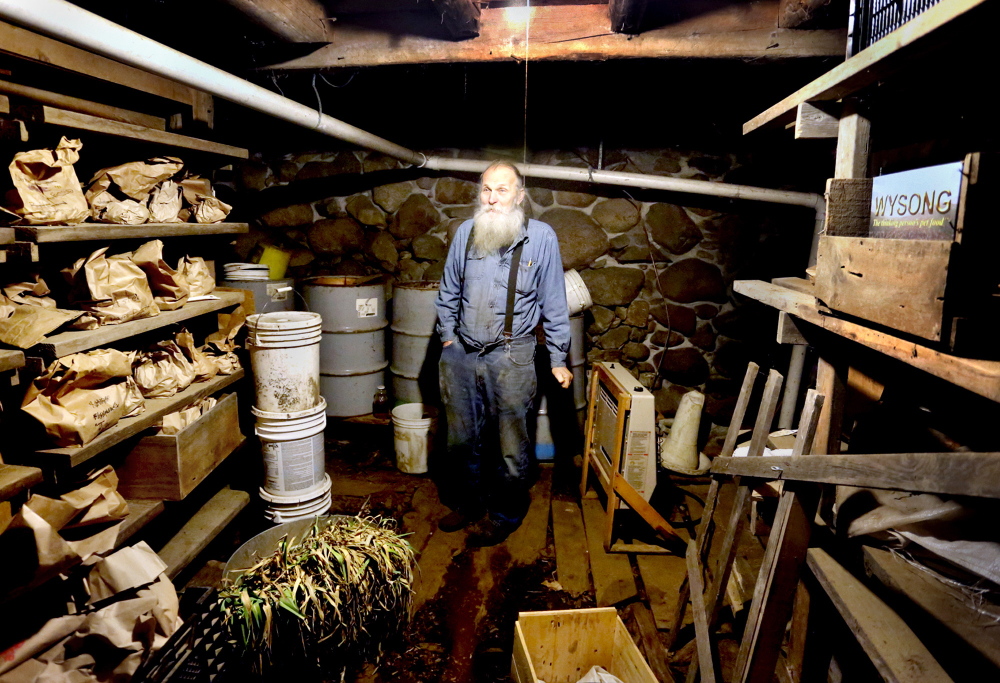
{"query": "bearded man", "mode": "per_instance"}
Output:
(503, 276)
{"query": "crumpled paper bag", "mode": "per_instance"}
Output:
(204, 368)
(113, 289)
(170, 288)
(119, 194)
(82, 394)
(198, 275)
(126, 212)
(165, 203)
(46, 187)
(176, 422)
(31, 292)
(221, 346)
(205, 206)
(24, 325)
(162, 371)
(50, 535)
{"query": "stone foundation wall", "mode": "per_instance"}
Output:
(660, 273)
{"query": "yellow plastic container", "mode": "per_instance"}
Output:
(276, 260)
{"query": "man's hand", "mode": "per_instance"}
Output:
(448, 343)
(563, 376)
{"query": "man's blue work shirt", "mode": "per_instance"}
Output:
(476, 312)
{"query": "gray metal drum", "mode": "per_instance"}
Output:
(352, 350)
(578, 360)
(269, 296)
(414, 361)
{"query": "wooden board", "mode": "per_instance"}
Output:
(16, 478)
(973, 620)
(649, 640)
(301, 21)
(84, 106)
(572, 32)
(140, 513)
(80, 232)
(74, 341)
(572, 564)
(896, 283)
(662, 577)
(156, 408)
(816, 122)
(888, 641)
(11, 360)
(530, 539)
(885, 57)
(958, 474)
(613, 580)
(201, 529)
(6, 234)
(978, 376)
(848, 206)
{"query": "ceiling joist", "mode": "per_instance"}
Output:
(294, 21)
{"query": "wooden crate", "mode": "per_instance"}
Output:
(169, 467)
(561, 646)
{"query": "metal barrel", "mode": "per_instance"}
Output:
(352, 350)
(269, 296)
(578, 361)
(415, 349)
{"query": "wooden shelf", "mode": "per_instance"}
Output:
(201, 529)
(96, 124)
(64, 458)
(80, 232)
(74, 341)
(141, 511)
(978, 376)
(11, 360)
(15, 478)
(889, 55)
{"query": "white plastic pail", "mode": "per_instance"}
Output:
(289, 508)
(413, 426)
(577, 295)
(293, 449)
(284, 355)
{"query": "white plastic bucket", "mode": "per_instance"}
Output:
(577, 295)
(293, 449)
(284, 355)
(413, 426)
(282, 509)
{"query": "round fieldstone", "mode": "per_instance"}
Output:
(581, 240)
(635, 351)
(672, 228)
(348, 267)
(452, 227)
(435, 271)
(391, 197)
(713, 166)
(613, 286)
(614, 338)
(694, 280)
(602, 319)
(685, 366)
(678, 318)
(429, 248)
(706, 311)
(463, 212)
(383, 249)
(416, 216)
(616, 215)
(254, 175)
(635, 247)
(621, 312)
(667, 398)
(365, 211)
(300, 257)
(455, 191)
(336, 236)
(638, 334)
(619, 242)
(604, 355)
(638, 312)
(659, 338)
(410, 270)
(577, 199)
(288, 216)
(317, 169)
(286, 171)
(666, 165)
(541, 196)
(704, 338)
(376, 161)
(425, 183)
(731, 359)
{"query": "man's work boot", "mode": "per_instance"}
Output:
(489, 533)
(458, 519)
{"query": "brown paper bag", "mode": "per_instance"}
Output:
(174, 423)
(135, 179)
(23, 326)
(125, 212)
(32, 292)
(204, 368)
(46, 184)
(113, 289)
(163, 371)
(198, 276)
(82, 394)
(165, 203)
(170, 288)
(206, 208)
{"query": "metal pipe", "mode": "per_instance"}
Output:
(71, 24)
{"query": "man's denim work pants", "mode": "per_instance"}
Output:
(487, 396)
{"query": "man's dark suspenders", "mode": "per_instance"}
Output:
(515, 265)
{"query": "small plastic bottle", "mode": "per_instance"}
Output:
(380, 403)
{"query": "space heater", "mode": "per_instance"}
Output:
(620, 448)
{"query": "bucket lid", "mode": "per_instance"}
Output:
(284, 320)
(308, 412)
(414, 411)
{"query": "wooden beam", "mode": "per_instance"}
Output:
(957, 474)
(459, 17)
(890, 644)
(626, 15)
(707, 659)
(294, 21)
(38, 48)
(571, 547)
(869, 66)
(11, 360)
(81, 232)
(201, 529)
(577, 32)
(793, 13)
(103, 111)
(979, 376)
(816, 121)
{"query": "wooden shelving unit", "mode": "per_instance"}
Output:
(16, 478)
(75, 341)
(63, 458)
(11, 360)
(82, 232)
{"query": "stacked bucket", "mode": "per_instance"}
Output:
(291, 413)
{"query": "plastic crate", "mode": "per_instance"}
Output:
(872, 20)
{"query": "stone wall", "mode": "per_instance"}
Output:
(660, 273)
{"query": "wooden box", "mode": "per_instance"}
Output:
(561, 646)
(944, 290)
(169, 467)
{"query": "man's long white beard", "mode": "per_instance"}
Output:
(497, 229)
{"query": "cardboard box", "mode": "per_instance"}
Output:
(561, 646)
(169, 467)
